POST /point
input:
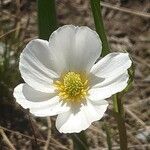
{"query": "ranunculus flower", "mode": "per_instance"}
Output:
(62, 78)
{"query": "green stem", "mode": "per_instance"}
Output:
(99, 25)
(115, 103)
(119, 115)
(47, 21)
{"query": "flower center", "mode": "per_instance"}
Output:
(72, 87)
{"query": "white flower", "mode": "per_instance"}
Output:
(62, 78)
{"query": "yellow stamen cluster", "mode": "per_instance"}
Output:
(72, 87)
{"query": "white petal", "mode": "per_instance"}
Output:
(108, 87)
(54, 107)
(87, 49)
(75, 46)
(113, 64)
(36, 66)
(78, 119)
(39, 103)
(62, 42)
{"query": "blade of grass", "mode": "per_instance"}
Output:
(99, 25)
(47, 21)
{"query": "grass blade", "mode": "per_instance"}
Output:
(47, 21)
(99, 25)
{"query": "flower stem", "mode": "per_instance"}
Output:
(47, 21)
(99, 25)
(115, 103)
(119, 116)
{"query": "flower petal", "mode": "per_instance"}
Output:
(54, 107)
(36, 66)
(87, 49)
(39, 103)
(75, 46)
(108, 87)
(111, 65)
(78, 119)
(62, 42)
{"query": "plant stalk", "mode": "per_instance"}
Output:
(119, 116)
